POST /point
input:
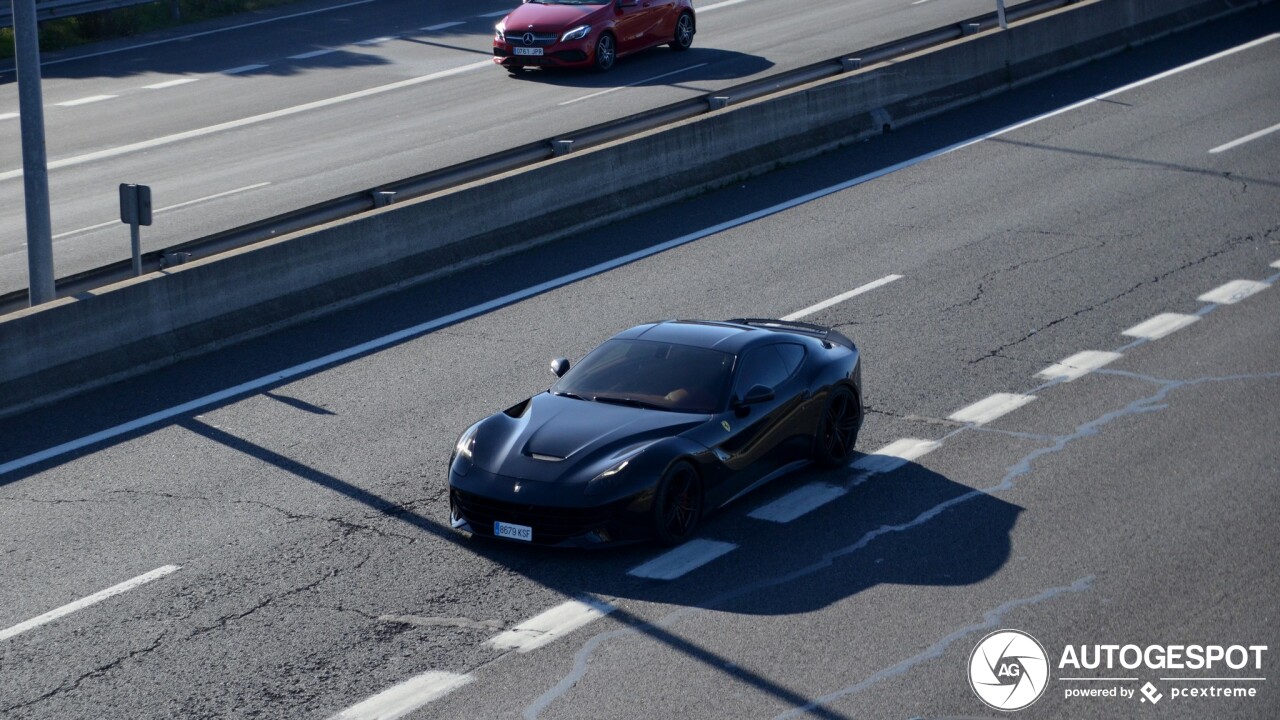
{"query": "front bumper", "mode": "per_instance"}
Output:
(573, 54)
(479, 499)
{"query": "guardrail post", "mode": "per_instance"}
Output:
(1000, 14)
(561, 147)
(35, 169)
(718, 102)
(848, 64)
(383, 198)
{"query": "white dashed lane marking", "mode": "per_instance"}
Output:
(93, 599)
(442, 26)
(1233, 292)
(400, 700)
(1160, 326)
(377, 40)
(243, 69)
(85, 100)
(499, 13)
(990, 408)
(894, 455)
(8, 116)
(1247, 138)
(313, 53)
(841, 297)
(169, 83)
(551, 625)
(798, 502)
(1078, 365)
(678, 561)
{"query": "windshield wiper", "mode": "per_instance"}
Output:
(628, 401)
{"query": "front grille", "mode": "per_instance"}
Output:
(550, 524)
(538, 39)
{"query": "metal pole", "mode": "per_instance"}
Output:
(35, 171)
(1000, 13)
(135, 240)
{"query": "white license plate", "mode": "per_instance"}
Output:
(526, 51)
(515, 532)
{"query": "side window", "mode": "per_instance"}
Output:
(792, 356)
(761, 366)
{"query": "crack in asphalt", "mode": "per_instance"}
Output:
(1149, 404)
(1227, 247)
(982, 281)
(96, 672)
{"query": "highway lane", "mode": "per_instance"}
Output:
(308, 520)
(301, 154)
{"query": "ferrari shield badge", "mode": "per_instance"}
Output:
(725, 424)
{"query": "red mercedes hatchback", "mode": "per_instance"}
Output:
(589, 33)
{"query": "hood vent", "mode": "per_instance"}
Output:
(545, 458)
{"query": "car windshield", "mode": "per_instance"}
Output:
(651, 374)
(567, 2)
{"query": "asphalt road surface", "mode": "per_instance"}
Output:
(280, 524)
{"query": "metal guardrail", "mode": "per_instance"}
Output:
(50, 9)
(519, 157)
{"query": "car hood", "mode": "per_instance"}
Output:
(537, 16)
(559, 437)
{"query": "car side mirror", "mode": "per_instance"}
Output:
(758, 394)
(559, 367)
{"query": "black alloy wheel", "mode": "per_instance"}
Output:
(684, 33)
(606, 52)
(677, 504)
(838, 428)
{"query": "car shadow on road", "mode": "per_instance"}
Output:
(656, 67)
(912, 526)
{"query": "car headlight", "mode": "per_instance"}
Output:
(576, 34)
(615, 472)
(460, 460)
(500, 32)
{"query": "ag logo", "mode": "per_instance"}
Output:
(1008, 670)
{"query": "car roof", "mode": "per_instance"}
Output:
(723, 336)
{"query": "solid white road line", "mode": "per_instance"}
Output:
(638, 82)
(841, 297)
(894, 455)
(313, 53)
(550, 625)
(85, 100)
(181, 38)
(798, 502)
(169, 83)
(1078, 365)
(206, 198)
(1233, 292)
(1246, 138)
(400, 700)
(1160, 325)
(442, 26)
(990, 408)
(680, 560)
(232, 124)
(1276, 264)
(97, 597)
(499, 13)
(243, 69)
(377, 40)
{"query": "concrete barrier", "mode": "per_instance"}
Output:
(127, 328)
